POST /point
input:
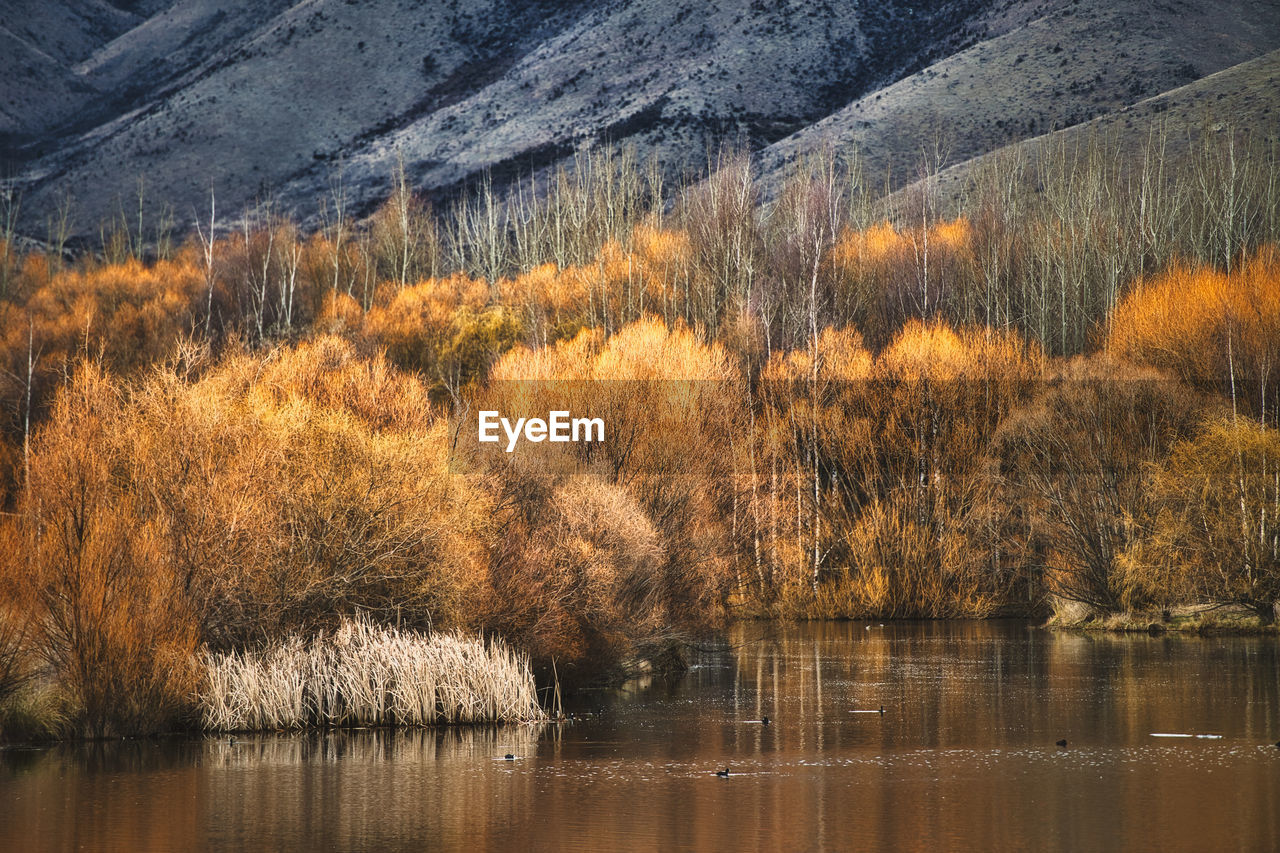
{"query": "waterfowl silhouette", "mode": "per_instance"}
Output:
(510, 757)
(764, 721)
(1278, 744)
(1062, 742)
(723, 773)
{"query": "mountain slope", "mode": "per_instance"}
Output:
(1243, 99)
(257, 97)
(1072, 62)
(460, 87)
(39, 45)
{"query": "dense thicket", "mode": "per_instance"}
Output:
(1058, 395)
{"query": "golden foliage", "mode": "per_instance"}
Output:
(633, 546)
(1209, 328)
(867, 475)
(1072, 465)
(579, 579)
(114, 622)
(1214, 535)
(304, 484)
(443, 329)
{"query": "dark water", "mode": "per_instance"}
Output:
(963, 758)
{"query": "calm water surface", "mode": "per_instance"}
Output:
(963, 758)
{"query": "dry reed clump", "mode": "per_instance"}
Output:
(364, 674)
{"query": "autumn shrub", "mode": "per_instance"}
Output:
(127, 316)
(576, 577)
(872, 270)
(882, 276)
(304, 484)
(1215, 330)
(445, 330)
(1212, 535)
(871, 467)
(666, 258)
(629, 544)
(651, 274)
(550, 303)
(17, 664)
(413, 326)
(110, 616)
(224, 502)
(1071, 465)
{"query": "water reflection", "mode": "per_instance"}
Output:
(963, 756)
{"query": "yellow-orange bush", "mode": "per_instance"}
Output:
(671, 405)
(1071, 469)
(111, 616)
(305, 484)
(126, 316)
(867, 477)
(1209, 328)
(444, 329)
(1213, 534)
(883, 276)
(650, 275)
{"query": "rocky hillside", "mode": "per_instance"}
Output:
(256, 97)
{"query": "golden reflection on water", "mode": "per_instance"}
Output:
(963, 757)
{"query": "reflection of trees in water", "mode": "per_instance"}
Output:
(376, 789)
(374, 746)
(370, 789)
(975, 684)
(965, 750)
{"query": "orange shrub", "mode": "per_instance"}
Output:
(672, 407)
(1213, 533)
(1209, 328)
(112, 617)
(866, 477)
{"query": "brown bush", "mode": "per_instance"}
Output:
(1213, 535)
(578, 575)
(112, 620)
(1072, 465)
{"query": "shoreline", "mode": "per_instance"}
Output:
(1187, 621)
(1194, 620)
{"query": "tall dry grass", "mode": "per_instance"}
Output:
(364, 674)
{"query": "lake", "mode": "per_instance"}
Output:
(963, 757)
